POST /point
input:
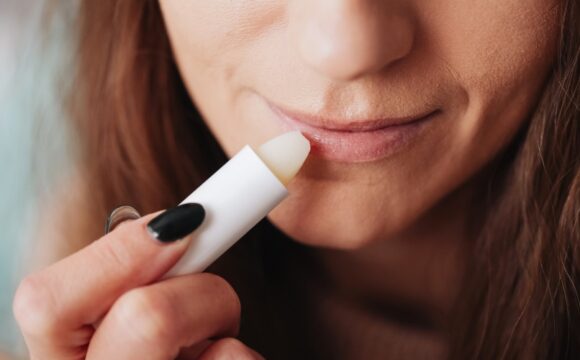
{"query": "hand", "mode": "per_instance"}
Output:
(112, 282)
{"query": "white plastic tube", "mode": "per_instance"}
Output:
(238, 196)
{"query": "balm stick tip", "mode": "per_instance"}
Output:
(285, 154)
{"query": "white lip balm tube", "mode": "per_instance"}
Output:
(239, 195)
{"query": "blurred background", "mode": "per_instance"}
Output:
(33, 57)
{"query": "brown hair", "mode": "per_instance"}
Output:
(524, 300)
(137, 125)
(135, 121)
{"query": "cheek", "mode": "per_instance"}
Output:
(500, 53)
(198, 30)
(207, 31)
(489, 41)
(498, 56)
(212, 42)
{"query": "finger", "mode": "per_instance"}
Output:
(156, 321)
(194, 351)
(229, 348)
(53, 305)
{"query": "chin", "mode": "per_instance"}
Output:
(323, 226)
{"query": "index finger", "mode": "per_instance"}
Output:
(79, 289)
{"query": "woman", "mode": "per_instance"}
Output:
(436, 218)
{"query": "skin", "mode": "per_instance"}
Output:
(403, 221)
(477, 63)
(120, 311)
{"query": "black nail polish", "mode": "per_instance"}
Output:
(176, 223)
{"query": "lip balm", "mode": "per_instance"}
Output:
(239, 195)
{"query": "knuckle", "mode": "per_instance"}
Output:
(226, 292)
(122, 225)
(123, 250)
(118, 253)
(232, 306)
(33, 307)
(147, 315)
(231, 349)
(136, 229)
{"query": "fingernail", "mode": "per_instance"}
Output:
(176, 223)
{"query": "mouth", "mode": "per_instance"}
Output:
(354, 140)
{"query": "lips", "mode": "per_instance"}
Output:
(354, 140)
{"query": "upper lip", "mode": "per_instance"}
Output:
(365, 124)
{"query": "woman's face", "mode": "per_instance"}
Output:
(403, 100)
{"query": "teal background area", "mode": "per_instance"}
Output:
(33, 150)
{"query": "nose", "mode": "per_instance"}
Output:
(347, 39)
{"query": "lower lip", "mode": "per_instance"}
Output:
(356, 146)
